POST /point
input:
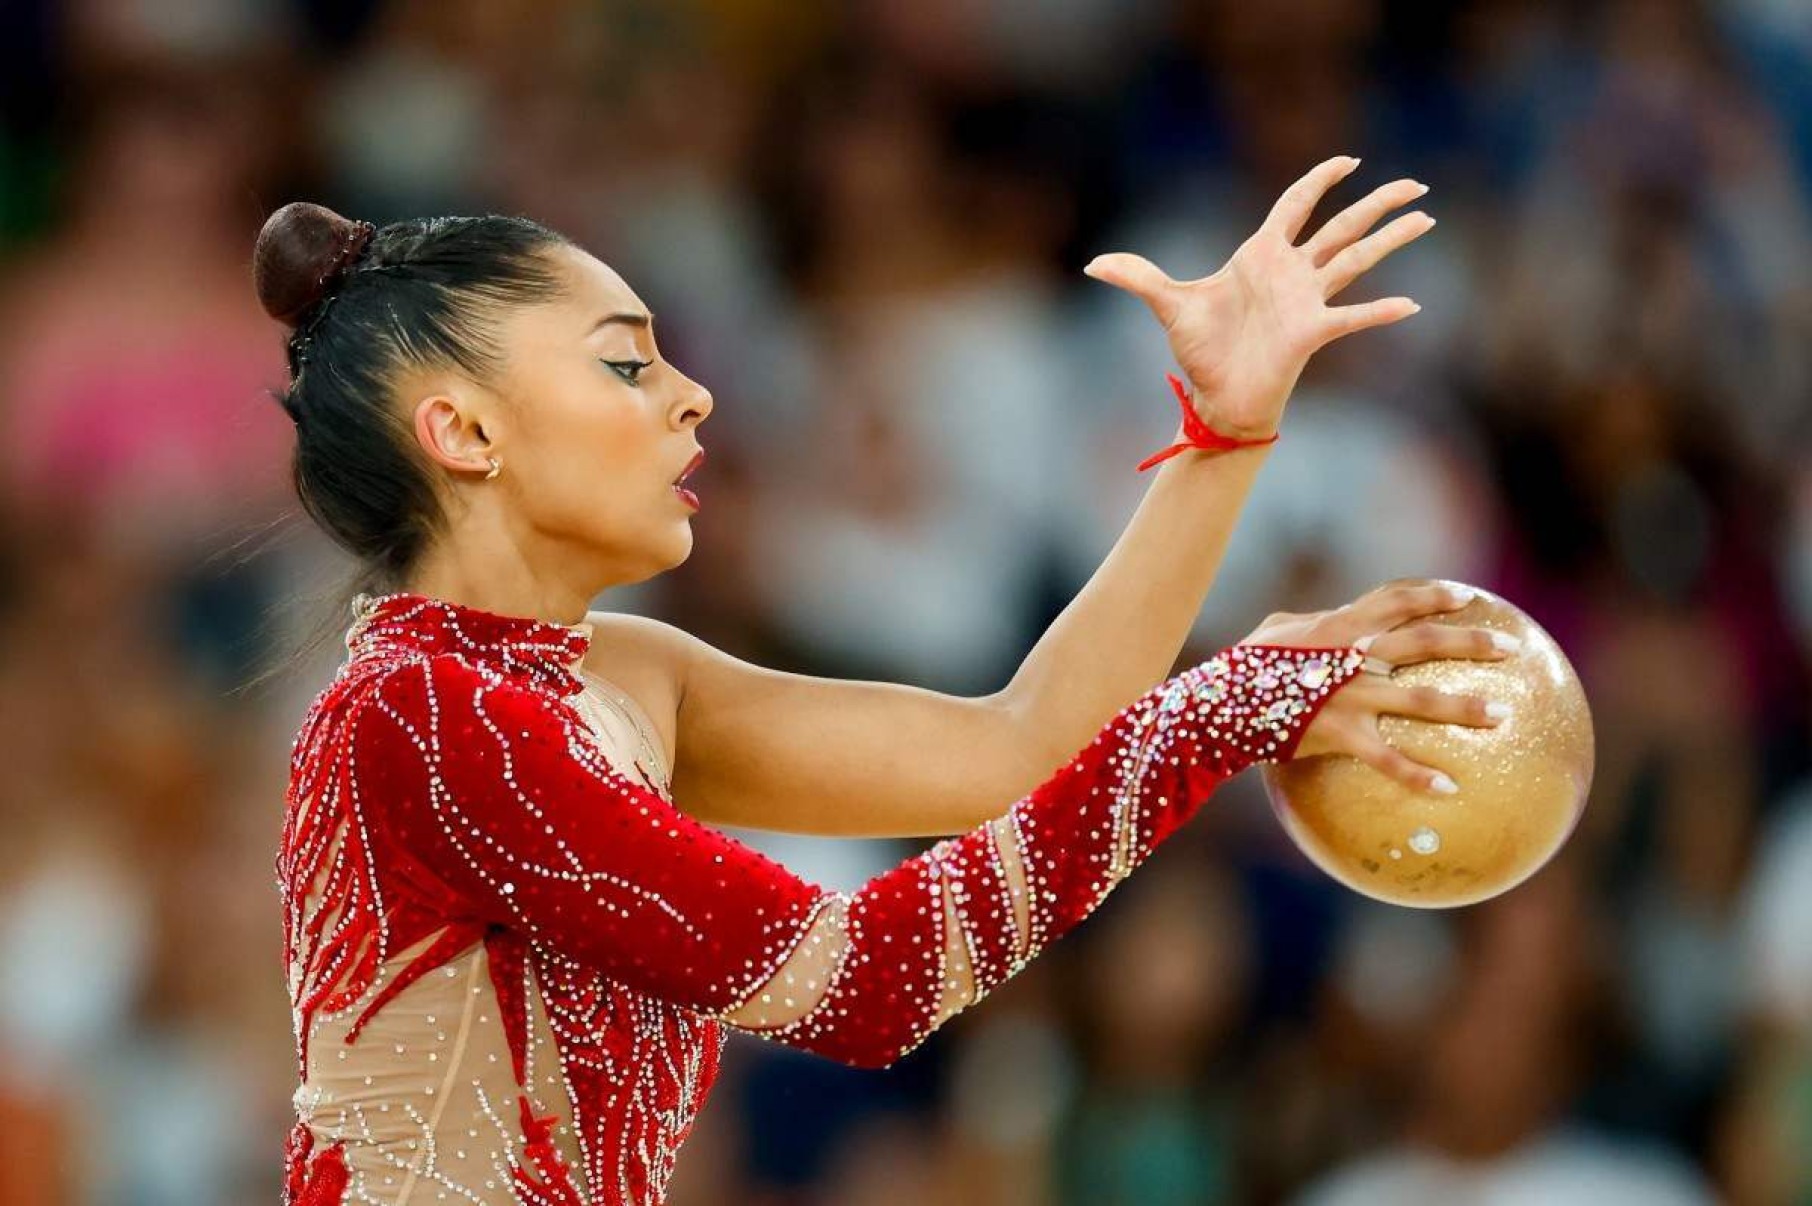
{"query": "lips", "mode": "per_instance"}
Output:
(678, 484)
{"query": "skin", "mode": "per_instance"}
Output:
(584, 502)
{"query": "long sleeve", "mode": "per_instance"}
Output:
(493, 802)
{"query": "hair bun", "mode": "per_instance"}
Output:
(301, 251)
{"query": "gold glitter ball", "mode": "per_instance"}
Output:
(1523, 783)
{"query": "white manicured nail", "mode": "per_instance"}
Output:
(1461, 595)
(1497, 711)
(1504, 642)
(1444, 785)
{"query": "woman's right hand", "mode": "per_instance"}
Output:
(1389, 625)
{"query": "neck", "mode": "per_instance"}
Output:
(507, 585)
(493, 558)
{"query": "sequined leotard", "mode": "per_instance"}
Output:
(511, 958)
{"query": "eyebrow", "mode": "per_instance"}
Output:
(626, 317)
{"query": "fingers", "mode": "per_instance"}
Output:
(1299, 200)
(1387, 759)
(1360, 257)
(1139, 277)
(1346, 226)
(1344, 320)
(1397, 603)
(1349, 726)
(1432, 704)
(1427, 642)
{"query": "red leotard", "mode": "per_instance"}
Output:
(511, 964)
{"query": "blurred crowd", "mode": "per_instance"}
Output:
(861, 225)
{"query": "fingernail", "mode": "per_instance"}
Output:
(1444, 785)
(1420, 188)
(1497, 711)
(1461, 595)
(1415, 307)
(1503, 642)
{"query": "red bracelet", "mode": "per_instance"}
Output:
(1196, 433)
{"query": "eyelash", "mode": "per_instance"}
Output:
(620, 365)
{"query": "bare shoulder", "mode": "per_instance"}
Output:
(646, 658)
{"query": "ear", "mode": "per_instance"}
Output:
(451, 431)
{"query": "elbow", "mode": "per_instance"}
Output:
(1031, 749)
(876, 1052)
(1061, 746)
(881, 1058)
(871, 1060)
(854, 1048)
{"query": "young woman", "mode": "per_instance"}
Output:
(513, 936)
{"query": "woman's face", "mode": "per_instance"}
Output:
(594, 427)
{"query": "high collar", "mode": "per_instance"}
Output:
(545, 652)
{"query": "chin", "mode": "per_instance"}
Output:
(673, 553)
(649, 558)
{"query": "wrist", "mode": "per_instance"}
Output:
(1224, 425)
(1240, 432)
(1197, 434)
(1270, 693)
(1188, 450)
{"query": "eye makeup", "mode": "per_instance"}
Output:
(629, 370)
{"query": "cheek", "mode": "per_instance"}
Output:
(605, 441)
(596, 455)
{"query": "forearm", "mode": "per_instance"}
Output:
(882, 968)
(1123, 631)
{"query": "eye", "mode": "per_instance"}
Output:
(629, 370)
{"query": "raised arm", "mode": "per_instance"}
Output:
(495, 798)
(747, 735)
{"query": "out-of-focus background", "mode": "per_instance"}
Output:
(862, 224)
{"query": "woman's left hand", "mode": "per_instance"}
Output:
(1243, 335)
(1391, 625)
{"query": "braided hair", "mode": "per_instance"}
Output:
(364, 304)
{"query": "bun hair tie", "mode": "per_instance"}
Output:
(352, 244)
(1197, 434)
(353, 241)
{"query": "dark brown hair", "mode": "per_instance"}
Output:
(363, 304)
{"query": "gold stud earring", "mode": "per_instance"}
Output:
(496, 468)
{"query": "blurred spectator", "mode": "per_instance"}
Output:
(1495, 1071)
(859, 225)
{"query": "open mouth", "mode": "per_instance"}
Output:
(679, 486)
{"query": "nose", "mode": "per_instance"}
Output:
(693, 404)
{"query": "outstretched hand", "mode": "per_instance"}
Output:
(1243, 335)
